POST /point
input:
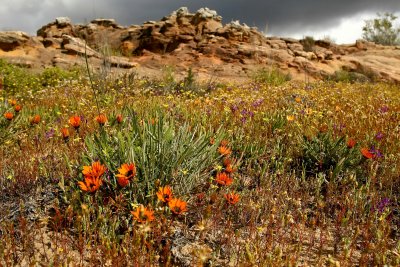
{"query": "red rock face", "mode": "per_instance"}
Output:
(193, 40)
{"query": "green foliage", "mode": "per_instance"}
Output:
(55, 76)
(17, 79)
(329, 156)
(362, 75)
(163, 152)
(272, 76)
(381, 30)
(308, 43)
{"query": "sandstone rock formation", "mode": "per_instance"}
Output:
(197, 40)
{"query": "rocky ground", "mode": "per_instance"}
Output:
(193, 40)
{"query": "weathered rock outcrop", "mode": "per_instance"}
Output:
(198, 40)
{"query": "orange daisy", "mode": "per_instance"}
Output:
(119, 118)
(232, 198)
(223, 179)
(12, 102)
(17, 108)
(35, 119)
(8, 115)
(96, 170)
(224, 151)
(65, 134)
(351, 143)
(164, 194)
(101, 119)
(91, 184)
(366, 153)
(143, 214)
(177, 206)
(75, 121)
(126, 173)
(229, 169)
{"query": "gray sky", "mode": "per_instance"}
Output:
(341, 20)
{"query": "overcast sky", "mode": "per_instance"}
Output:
(341, 20)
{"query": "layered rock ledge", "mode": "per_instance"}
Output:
(192, 40)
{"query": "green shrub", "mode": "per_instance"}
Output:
(308, 43)
(163, 152)
(55, 76)
(272, 76)
(381, 30)
(330, 156)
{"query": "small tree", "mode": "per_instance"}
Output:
(381, 30)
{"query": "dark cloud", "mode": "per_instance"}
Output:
(278, 16)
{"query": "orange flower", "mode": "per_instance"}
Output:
(143, 214)
(351, 143)
(65, 134)
(17, 108)
(101, 119)
(227, 161)
(96, 170)
(223, 179)
(229, 169)
(224, 143)
(164, 194)
(177, 206)
(366, 153)
(119, 118)
(126, 173)
(12, 102)
(232, 198)
(323, 128)
(75, 121)
(8, 115)
(91, 184)
(35, 119)
(225, 151)
(92, 177)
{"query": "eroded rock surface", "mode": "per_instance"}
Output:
(193, 40)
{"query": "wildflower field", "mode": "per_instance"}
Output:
(122, 170)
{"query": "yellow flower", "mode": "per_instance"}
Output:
(290, 117)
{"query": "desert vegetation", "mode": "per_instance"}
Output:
(123, 170)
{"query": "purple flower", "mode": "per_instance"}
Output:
(244, 112)
(377, 153)
(384, 109)
(50, 133)
(385, 202)
(379, 135)
(243, 120)
(234, 108)
(258, 102)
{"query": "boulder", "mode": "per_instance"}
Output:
(105, 23)
(63, 21)
(10, 40)
(76, 46)
(120, 62)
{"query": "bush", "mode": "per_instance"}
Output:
(308, 43)
(329, 156)
(272, 76)
(381, 30)
(163, 152)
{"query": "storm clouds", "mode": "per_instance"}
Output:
(277, 17)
